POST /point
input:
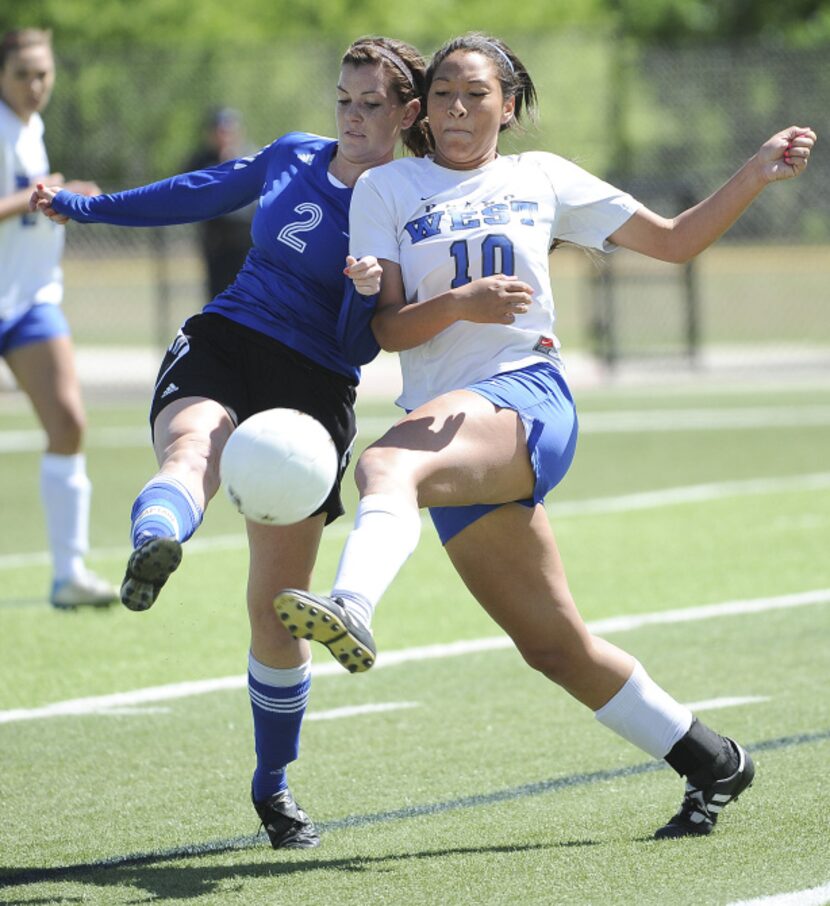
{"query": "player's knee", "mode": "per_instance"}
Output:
(269, 636)
(65, 432)
(381, 469)
(193, 453)
(558, 664)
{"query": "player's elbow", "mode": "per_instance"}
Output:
(389, 339)
(680, 254)
(680, 245)
(674, 251)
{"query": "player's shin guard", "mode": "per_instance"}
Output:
(164, 508)
(278, 703)
(66, 492)
(386, 532)
(645, 714)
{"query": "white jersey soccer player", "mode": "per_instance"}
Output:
(447, 227)
(493, 426)
(34, 334)
(30, 246)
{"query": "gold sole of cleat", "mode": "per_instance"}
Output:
(314, 624)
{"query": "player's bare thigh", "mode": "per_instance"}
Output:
(454, 450)
(45, 371)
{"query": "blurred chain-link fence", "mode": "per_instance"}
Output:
(668, 125)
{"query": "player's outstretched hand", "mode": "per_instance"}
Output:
(41, 200)
(494, 300)
(365, 274)
(786, 154)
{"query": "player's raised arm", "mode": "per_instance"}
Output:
(678, 239)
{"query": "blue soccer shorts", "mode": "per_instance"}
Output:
(36, 324)
(543, 401)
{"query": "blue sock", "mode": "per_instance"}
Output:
(278, 702)
(164, 508)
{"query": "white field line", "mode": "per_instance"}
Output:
(95, 704)
(355, 710)
(32, 440)
(332, 714)
(815, 896)
(627, 421)
(703, 419)
(696, 493)
(714, 704)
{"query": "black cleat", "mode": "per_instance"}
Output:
(326, 620)
(148, 568)
(701, 806)
(287, 825)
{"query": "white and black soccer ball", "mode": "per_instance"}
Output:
(278, 466)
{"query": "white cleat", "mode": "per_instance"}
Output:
(88, 590)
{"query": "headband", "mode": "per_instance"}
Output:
(395, 60)
(502, 54)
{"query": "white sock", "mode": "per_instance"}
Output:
(386, 531)
(278, 676)
(66, 492)
(646, 715)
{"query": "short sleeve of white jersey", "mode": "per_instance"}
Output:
(588, 210)
(372, 226)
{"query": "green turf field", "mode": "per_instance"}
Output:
(460, 777)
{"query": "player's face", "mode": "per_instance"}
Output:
(27, 79)
(466, 108)
(370, 116)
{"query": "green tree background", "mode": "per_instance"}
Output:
(120, 24)
(665, 97)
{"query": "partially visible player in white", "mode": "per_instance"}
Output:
(463, 240)
(34, 334)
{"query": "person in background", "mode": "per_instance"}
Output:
(460, 243)
(34, 334)
(268, 340)
(224, 240)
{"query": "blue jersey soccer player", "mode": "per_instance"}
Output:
(269, 340)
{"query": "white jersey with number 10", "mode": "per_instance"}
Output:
(447, 227)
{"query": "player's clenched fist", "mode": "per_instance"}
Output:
(786, 154)
(365, 274)
(41, 200)
(494, 300)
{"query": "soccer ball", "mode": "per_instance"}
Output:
(278, 466)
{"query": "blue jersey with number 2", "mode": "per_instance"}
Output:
(291, 285)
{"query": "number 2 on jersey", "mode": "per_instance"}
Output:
(288, 234)
(491, 245)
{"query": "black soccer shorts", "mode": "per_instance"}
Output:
(247, 372)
